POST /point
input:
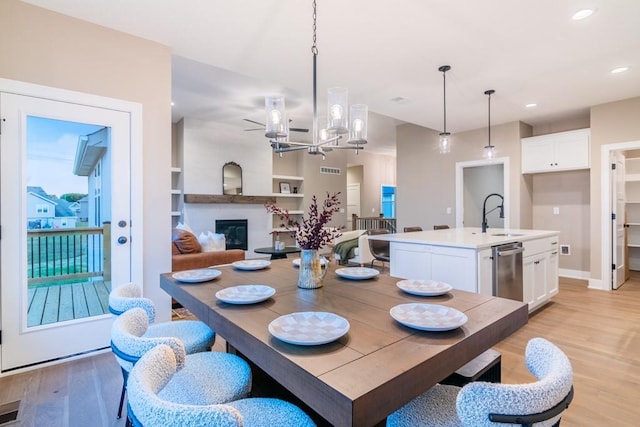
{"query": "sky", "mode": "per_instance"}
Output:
(51, 151)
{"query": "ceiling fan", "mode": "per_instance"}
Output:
(263, 126)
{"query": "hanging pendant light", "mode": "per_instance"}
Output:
(489, 150)
(445, 137)
(340, 120)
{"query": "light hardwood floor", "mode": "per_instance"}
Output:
(599, 331)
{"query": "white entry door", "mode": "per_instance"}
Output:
(353, 202)
(65, 216)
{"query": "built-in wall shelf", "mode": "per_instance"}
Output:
(219, 198)
(176, 170)
(289, 177)
(294, 213)
(288, 195)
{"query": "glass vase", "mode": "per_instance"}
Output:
(312, 269)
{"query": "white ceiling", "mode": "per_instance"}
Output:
(229, 54)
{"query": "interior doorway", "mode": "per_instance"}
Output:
(609, 247)
(475, 180)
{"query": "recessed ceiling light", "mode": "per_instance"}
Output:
(582, 14)
(619, 70)
(531, 105)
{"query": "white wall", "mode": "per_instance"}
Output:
(207, 146)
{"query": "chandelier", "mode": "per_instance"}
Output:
(340, 119)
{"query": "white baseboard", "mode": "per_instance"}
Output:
(574, 274)
(597, 284)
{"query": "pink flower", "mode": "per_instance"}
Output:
(313, 232)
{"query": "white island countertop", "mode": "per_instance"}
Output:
(467, 237)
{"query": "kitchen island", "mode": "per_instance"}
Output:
(463, 257)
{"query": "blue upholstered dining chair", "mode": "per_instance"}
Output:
(157, 369)
(480, 404)
(205, 378)
(194, 335)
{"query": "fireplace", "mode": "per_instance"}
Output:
(235, 232)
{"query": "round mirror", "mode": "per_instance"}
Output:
(231, 179)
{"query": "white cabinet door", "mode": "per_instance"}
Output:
(455, 266)
(485, 272)
(552, 274)
(556, 152)
(534, 279)
(572, 151)
(410, 261)
(537, 155)
(540, 276)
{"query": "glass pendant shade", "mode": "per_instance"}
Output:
(445, 143)
(489, 152)
(276, 121)
(337, 110)
(358, 126)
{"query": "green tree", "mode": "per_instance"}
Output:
(72, 197)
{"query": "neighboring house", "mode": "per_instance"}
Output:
(83, 209)
(93, 160)
(45, 211)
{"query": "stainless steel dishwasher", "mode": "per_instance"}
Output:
(507, 271)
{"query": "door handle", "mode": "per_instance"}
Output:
(510, 252)
(122, 240)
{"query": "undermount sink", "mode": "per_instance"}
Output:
(507, 234)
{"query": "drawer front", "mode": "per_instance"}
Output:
(533, 247)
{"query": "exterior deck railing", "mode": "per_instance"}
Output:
(66, 254)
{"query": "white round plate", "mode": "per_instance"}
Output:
(196, 276)
(251, 264)
(426, 288)
(428, 317)
(245, 294)
(296, 262)
(309, 327)
(357, 273)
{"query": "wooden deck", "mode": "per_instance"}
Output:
(53, 304)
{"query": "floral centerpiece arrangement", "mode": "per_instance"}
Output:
(312, 232)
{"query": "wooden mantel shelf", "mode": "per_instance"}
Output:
(218, 198)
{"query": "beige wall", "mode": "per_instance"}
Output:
(569, 192)
(46, 48)
(426, 178)
(615, 122)
(377, 170)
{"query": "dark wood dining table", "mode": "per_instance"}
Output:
(378, 366)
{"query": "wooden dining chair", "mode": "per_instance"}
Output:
(209, 377)
(379, 248)
(412, 229)
(440, 227)
(148, 407)
(484, 404)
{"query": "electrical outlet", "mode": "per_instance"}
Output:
(556, 210)
(449, 210)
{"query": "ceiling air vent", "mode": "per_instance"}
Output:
(330, 171)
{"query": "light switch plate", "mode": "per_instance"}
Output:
(556, 210)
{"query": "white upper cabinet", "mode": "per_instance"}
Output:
(556, 152)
